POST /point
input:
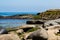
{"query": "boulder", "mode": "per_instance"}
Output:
(9, 37)
(40, 34)
(3, 31)
(35, 22)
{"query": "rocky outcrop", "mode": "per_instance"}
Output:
(40, 34)
(48, 33)
(52, 22)
(50, 14)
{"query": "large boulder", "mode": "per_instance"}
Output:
(40, 34)
(9, 37)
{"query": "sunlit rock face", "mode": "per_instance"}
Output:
(52, 31)
(9, 37)
(52, 23)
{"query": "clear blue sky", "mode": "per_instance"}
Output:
(28, 5)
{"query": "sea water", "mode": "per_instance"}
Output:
(13, 22)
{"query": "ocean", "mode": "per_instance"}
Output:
(14, 22)
(16, 13)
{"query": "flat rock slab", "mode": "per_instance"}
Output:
(9, 37)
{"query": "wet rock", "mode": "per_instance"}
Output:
(3, 31)
(35, 22)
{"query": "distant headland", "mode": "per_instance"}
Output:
(46, 15)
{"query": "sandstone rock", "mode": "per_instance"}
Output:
(26, 35)
(51, 34)
(19, 31)
(9, 37)
(12, 32)
(52, 31)
(27, 26)
(58, 37)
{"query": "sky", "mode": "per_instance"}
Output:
(28, 5)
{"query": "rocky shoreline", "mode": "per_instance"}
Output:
(17, 17)
(48, 28)
(50, 31)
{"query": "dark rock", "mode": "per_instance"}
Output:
(39, 22)
(35, 22)
(38, 35)
(26, 29)
(3, 31)
(30, 22)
